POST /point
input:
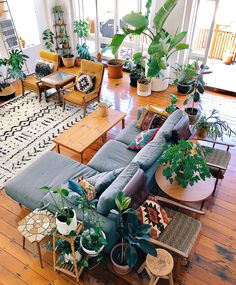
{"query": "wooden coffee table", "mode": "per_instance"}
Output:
(58, 80)
(84, 133)
(198, 192)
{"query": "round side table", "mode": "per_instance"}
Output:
(159, 267)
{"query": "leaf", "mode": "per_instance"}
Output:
(153, 69)
(131, 256)
(196, 97)
(200, 88)
(137, 55)
(143, 229)
(163, 13)
(147, 247)
(187, 100)
(181, 46)
(45, 188)
(177, 39)
(115, 43)
(148, 7)
(136, 20)
(155, 48)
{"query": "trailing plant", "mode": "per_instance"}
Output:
(81, 28)
(83, 52)
(162, 45)
(132, 234)
(184, 162)
(48, 38)
(172, 107)
(213, 125)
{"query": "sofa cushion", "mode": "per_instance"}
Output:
(142, 139)
(112, 155)
(104, 179)
(51, 169)
(106, 201)
(128, 134)
(151, 152)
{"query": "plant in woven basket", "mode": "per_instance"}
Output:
(185, 162)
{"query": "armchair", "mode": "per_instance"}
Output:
(82, 99)
(31, 83)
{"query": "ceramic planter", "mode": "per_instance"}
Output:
(115, 68)
(68, 61)
(120, 269)
(183, 88)
(193, 114)
(202, 133)
(143, 87)
(134, 79)
(62, 226)
(92, 253)
(68, 257)
(161, 83)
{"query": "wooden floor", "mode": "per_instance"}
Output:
(214, 261)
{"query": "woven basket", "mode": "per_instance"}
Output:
(143, 89)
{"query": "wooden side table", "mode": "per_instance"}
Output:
(35, 227)
(159, 267)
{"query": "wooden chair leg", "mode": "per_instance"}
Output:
(40, 256)
(216, 182)
(23, 242)
(63, 105)
(85, 111)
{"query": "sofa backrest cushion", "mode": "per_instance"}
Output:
(181, 130)
(151, 152)
(106, 201)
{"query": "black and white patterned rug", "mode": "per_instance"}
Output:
(27, 128)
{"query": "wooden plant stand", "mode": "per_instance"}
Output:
(68, 268)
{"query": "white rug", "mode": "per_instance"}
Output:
(27, 128)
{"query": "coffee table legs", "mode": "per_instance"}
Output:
(58, 148)
(39, 251)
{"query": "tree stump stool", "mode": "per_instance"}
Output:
(159, 267)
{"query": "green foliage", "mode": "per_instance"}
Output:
(92, 239)
(184, 162)
(81, 28)
(58, 12)
(185, 74)
(172, 107)
(83, 52)
(162, 45)
(213, 125)
(48, 38)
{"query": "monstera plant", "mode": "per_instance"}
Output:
(162, 44)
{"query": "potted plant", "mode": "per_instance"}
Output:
(68, 57)
(144, 86)
(65, 216)
(162, 44)
(48, 38)
(195, 91)
(83, 53)
(124, 255)
(58, 14)
(185, 76)
(172, 107)
(212, 126)
(137, 68)
(115, 68)
(185, 162)
(14, 65)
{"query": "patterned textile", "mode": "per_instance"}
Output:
(157, 110)
(142, 139)
(84, 83)
(153, 214)
(43, 68)
(88, 188)
(150, 120)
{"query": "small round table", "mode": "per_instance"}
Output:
(200, 191)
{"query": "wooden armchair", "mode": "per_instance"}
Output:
(181, 235)
(31, 83)
(82, 99)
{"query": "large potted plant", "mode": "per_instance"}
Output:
(133, 235)
(162, 45)
(212, 126)
(14, 64)
(185, 162)
(65, 216)
(83, 53)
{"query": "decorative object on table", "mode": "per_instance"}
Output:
(142, 139)
(212, 126)
(14, 64)
(172, 107)
(103, 108)
(65, 216)
(162, 44)
(137, 68)
(185, 77)
(144, 87)
(185, 162)
(124, 255)
(159, 267)
(195, 91)
(48, 38)
(36, 226)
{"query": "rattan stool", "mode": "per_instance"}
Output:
(159, 267)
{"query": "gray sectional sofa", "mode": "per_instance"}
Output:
(130, 170)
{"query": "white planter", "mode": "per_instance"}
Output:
(161, 83)
(65, 229)
(92, 253)
(69, 257)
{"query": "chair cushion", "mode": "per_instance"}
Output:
(182, 232)
(74, 97)
(84, 83)
(151, 213)
(43, 68)
(142, 139)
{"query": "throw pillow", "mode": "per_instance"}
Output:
(43, 68)
(153, 214)
(157, 110)
(142, 139)
(76, 187)
(150, 120)
(84, 83)
(89, 189)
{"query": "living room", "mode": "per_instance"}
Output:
(117, 160)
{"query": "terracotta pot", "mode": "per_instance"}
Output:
(115, 68)
(202, 133)
(193, 116)
(77, 62)
(68, 61)
(120, 269)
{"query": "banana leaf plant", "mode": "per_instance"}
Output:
(162, 44)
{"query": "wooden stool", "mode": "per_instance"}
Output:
(159, 267)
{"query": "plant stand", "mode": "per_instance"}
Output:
(72, 270)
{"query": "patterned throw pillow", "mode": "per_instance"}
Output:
(142, 139)
(89, 189)
(153, 214)
(43, 68)
(150, 120)
(84, 83)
